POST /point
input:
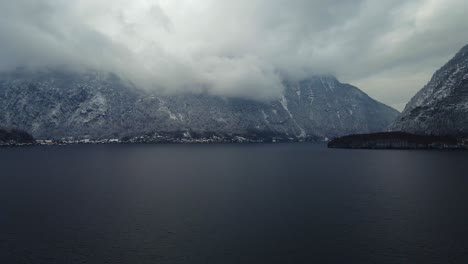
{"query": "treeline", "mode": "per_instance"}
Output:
(15, 136)
(396, 140)
(248, 136)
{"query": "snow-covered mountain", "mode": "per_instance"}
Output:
(59, 104)
(441, 107)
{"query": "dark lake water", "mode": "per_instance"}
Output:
(285, 203)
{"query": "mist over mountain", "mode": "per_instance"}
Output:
(60, 104)
(243, 48)
(189, 65)
(441, 107)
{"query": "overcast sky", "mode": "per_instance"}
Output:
(388, 48)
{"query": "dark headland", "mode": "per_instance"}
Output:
(397, 140)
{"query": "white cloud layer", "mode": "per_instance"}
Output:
(239, 48)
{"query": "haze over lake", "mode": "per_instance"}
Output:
(278, 203)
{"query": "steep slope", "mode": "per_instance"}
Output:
(441, 107)
(63, 104)
(329, 108)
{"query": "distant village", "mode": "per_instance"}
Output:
(179, 137)
(46, 142)
(164, 139)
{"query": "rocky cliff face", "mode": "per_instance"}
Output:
(441, 107)
(60, 104)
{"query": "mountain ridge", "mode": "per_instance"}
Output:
(60, 104)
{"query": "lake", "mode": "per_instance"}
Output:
(276, 203)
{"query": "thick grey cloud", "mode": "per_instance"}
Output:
(239, 48)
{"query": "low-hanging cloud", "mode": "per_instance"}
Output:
(239, 48)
